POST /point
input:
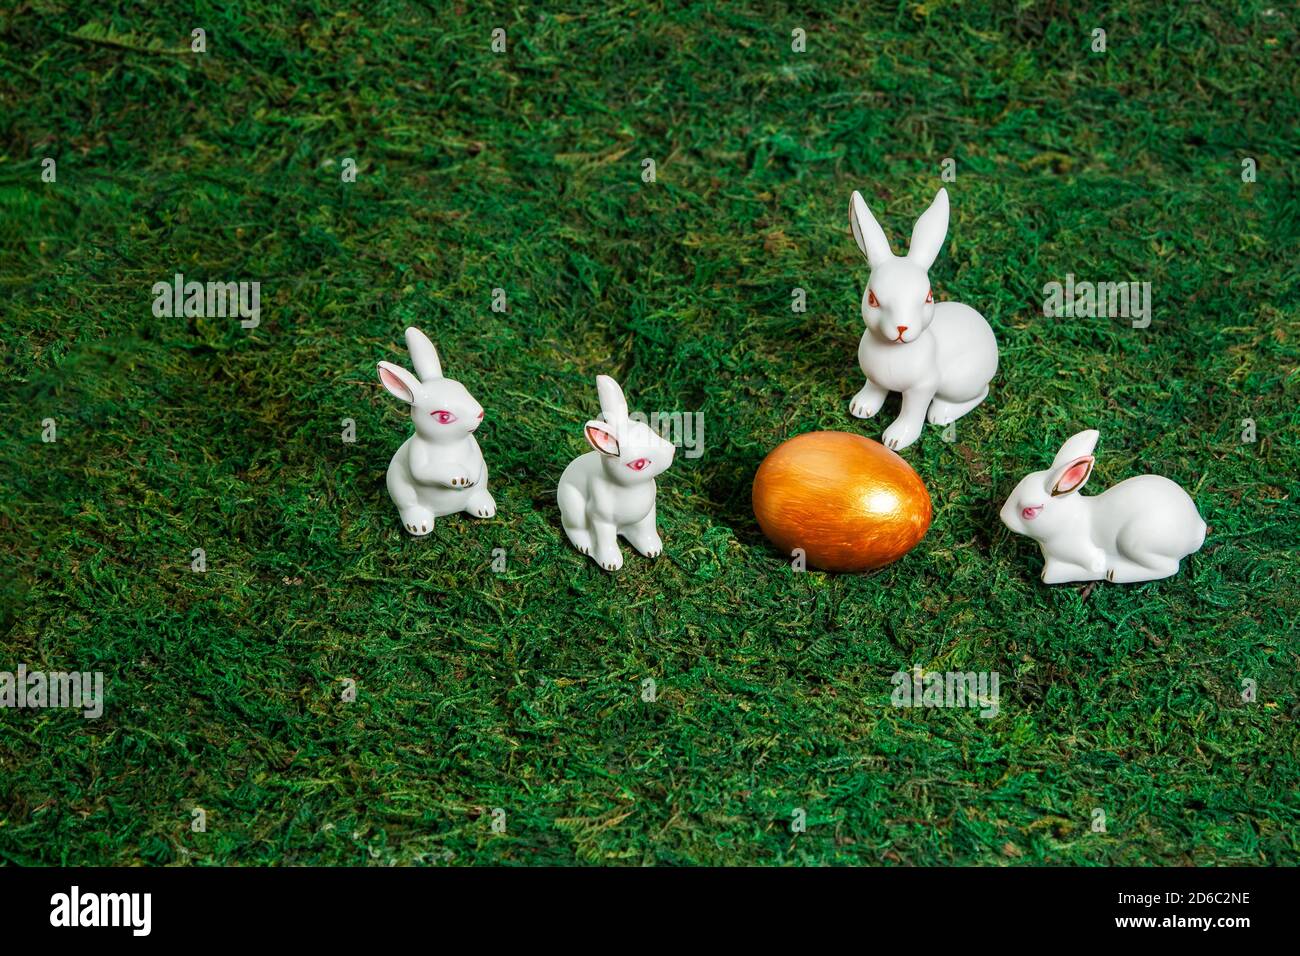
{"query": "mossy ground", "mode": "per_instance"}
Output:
(522, 690)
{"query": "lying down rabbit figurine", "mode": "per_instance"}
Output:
(1137, 530)
(611, 491)
(439, 470)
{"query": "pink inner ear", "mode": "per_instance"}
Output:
(395, 385)
(1074, 476)
(602, 441)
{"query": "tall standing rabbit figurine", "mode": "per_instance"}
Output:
(941, 357)
(611, 491)
(439, 470)
(1137, 530)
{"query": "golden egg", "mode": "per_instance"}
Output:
(849, 502)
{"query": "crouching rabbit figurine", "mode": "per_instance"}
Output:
(940, 357)
(1137, 530)
(611, 491)
(439, 470)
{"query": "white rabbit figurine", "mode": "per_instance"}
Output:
(941, 357)
(1136, 531)
(439, 470)
(611, 491)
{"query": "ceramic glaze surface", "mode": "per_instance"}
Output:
(1137, 530)
(439, 470)
(611, 491)
(939, 356)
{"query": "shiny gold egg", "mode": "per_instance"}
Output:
(849, 502)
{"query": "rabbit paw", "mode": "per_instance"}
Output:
(867, 402)
(580, 538)
(418, 521)
(943, 413)
(483, 506)
(901, 434)
(1063, 572)
(610, 560)
(461, 481)
(1056, 572)
(650, 545)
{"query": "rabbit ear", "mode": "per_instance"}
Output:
(612, 403)
(870, 237)
(602, 438)
(929, 233)
(1076, 446)
(1073, 464)
(423, 355)
(401, 383)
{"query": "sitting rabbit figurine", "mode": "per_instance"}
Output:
(1136, 531)
(941, 357)
(439, 470)
(611, 491)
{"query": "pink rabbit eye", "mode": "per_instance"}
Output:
(639, 464)
(872, 300)
(929, 297)
(1029, 514)
(444, 417)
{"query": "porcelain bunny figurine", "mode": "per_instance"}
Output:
(941, 357)
(1136, 531)
(439, 470)
(611, 491)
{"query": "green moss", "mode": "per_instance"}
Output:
(523, 690)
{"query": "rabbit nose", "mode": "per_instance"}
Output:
(902, 329)
(480, 415)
